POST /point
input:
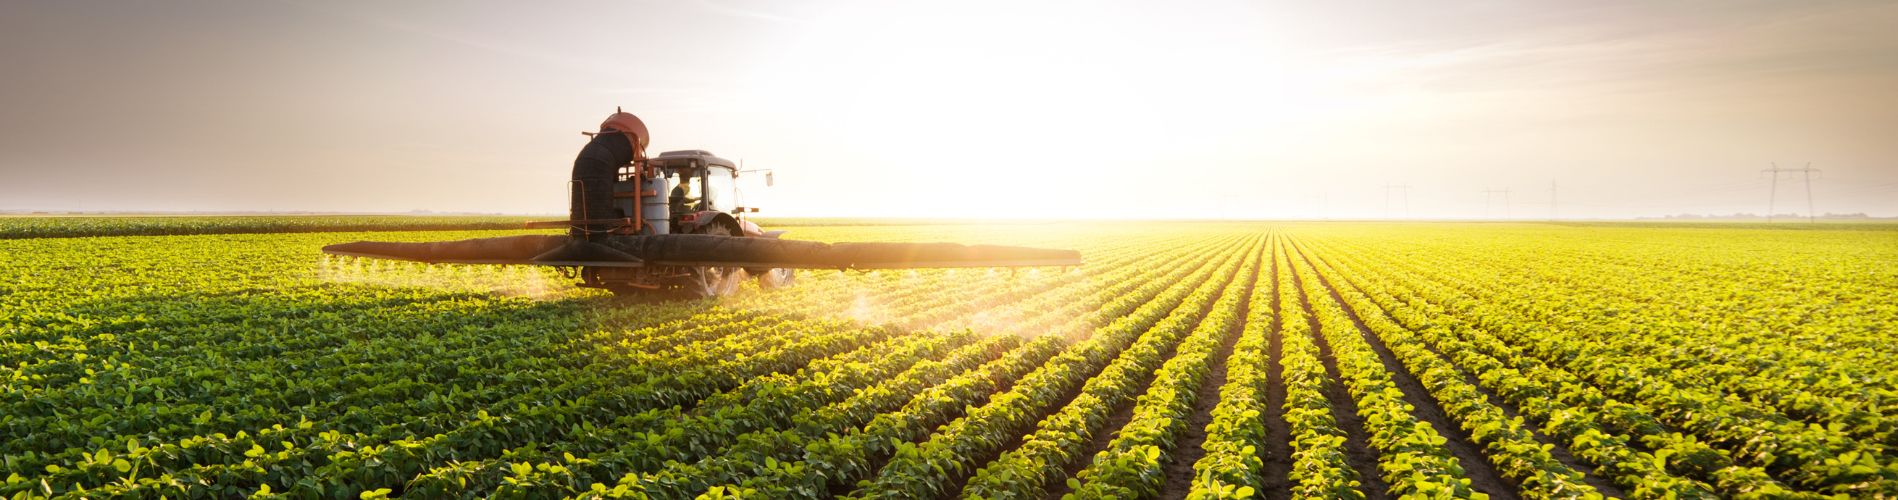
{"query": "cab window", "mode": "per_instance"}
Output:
(721, 192)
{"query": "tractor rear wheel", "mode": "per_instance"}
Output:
(714, 281)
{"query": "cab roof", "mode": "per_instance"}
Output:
(668, 159)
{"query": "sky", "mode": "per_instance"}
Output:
(1062, 109)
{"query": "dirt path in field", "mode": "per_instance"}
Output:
(1483, 476)
(1186, 450)
(1559, 450)
(1357, 449)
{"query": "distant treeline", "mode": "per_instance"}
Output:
(1747, 216)
(1793, 224)
(81, 226)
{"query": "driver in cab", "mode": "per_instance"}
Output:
(682, 199)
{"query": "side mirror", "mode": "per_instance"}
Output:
(768, 181)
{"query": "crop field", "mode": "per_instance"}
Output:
(1183, 360)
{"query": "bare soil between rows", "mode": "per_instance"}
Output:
(1358, 453)
(1277, 455)
(1558, 450)
(1188, 449)
(961, 478)
(1124, 413)
(1483, 476)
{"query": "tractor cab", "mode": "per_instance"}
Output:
(695, 188)
(698, 180)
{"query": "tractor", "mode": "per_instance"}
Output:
(678, 192)
(673, 225)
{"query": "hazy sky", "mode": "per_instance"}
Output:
(963, 108)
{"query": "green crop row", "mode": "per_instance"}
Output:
(1804, 455)
(929, 469)
(1132, 466)
(614, 450)
(1532, 389)
(1319, 466)
(1411, 453)
(1231, 466)
(827, 463)
(1598, 427)
(1060, 440)
(1511, 448)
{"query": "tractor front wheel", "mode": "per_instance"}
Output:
(775, 278)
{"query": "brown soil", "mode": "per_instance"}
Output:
(1277, 455)
(1358, 453)
(1559, 450)
(1124, 414)
(1187, 450)
(963, 477)
(1483, 477)
(1101, 439)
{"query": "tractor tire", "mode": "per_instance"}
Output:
(772, 279)
(713, 281)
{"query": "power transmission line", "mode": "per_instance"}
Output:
(1324, 204)
(1402, 189)
(1772, 197)
(1490, 194)
(1552, 200)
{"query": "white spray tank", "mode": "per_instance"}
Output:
(655, 209)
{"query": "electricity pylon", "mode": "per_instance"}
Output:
(1490, 194)
(1552, 200)
(1772, 197)
(1403, 190)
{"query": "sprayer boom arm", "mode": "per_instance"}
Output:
(706, 250)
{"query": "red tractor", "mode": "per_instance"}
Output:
(672, 224)
(678, 192)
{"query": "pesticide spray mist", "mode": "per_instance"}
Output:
(532, 282)
(985, 301)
